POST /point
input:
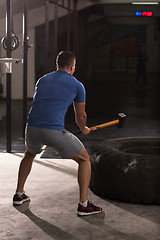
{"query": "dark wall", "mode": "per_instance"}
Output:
(106, 63)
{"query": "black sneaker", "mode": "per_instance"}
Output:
(89, 210)
(18, 200)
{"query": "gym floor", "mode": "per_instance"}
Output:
(52, 184)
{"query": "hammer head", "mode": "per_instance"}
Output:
(121, 117)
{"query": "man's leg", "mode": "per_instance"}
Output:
(84, 173)
(24, 170)
(85, 207)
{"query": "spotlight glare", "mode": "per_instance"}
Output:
(145, 3)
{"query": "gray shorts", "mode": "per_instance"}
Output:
(66, 144)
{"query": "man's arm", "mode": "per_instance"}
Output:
(81, 117)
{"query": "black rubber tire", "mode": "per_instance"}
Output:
(126, 169)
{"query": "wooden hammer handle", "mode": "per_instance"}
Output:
(104, 125)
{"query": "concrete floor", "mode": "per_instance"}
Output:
(51, 214)
(52, 184)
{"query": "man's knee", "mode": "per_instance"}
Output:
(82, 156)
(85, 158)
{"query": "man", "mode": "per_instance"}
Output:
(54, 93)
(141, 64)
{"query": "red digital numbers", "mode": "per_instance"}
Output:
(148, 14)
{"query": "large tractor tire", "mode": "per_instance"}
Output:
(126, 169)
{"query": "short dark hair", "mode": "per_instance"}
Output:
(65, 59)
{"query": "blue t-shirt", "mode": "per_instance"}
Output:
(53, 94)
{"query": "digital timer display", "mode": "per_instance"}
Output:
(144, 13)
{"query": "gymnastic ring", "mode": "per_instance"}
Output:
(15, 42)
(126, 169)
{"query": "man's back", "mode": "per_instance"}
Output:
(54, 93)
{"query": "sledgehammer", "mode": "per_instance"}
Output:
(120, 122)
